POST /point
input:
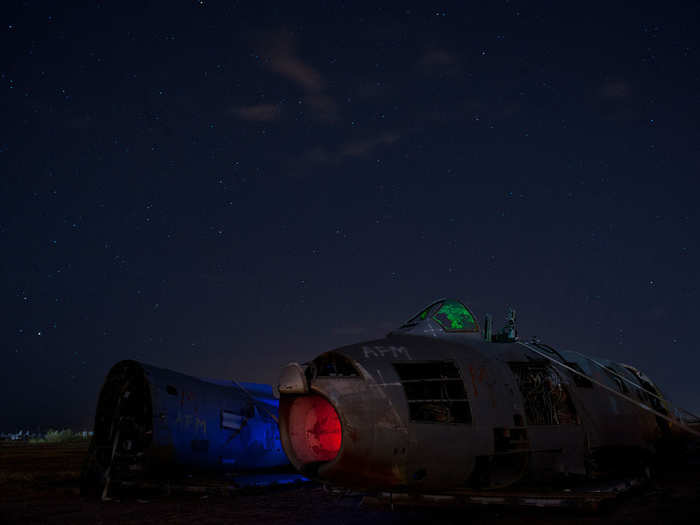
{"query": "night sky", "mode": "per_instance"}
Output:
(219, 188)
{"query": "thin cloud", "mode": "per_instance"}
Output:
(319, 155)
(614, 89)
(280, 56)
(81, 122)
(616, 100)
(258, 113)
(438, 61)
(354, 149)
(283, 62)
(437, 57)
(474, 110)
(362, 148)
(323, 106)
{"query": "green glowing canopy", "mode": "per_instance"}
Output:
(453, 316)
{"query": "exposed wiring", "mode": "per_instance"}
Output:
(613, 391)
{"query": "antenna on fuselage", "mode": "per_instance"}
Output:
(488, 328)
(508, 334)
(510, 330)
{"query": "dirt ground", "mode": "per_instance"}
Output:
(39, 483)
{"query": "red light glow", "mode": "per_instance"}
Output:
(314, 429)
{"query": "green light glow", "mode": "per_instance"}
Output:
(454, 316)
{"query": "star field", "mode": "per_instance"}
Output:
(221, 188)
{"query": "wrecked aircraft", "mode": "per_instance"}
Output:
(153, 421)
(442, 404)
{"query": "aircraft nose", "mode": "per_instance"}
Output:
(311, 421)
(336, 424)
(314, 429)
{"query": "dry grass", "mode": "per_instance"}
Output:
(29, 463)
(39, 483)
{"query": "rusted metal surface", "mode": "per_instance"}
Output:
(152, 421)
(474, 413)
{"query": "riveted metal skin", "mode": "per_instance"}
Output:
(526, 417)
(150, 419)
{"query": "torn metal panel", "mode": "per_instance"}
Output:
(435, 406)
(155, 421)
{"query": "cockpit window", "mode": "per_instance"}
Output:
(434, 391)
(420, 317)
(453, 316)
(332, 364)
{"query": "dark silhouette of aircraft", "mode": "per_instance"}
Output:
(442, 404)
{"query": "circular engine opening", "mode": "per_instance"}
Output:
(314, 429)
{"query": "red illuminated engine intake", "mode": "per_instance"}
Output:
(314, 429)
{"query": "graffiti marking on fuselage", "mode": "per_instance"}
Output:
(381, 351)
